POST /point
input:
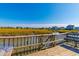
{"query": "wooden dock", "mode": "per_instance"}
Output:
(55, 51)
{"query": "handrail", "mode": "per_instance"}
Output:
(25, 36)
(25, 42)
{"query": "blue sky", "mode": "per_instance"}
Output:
(39, 13)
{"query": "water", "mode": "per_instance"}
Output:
(5, 49)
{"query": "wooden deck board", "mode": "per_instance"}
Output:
(55, 51)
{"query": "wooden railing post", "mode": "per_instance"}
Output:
(4, 42)
(9, 42)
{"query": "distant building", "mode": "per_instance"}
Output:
(70, 27)
(55, 28)
(77, 28)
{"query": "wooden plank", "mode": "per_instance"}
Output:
(55, 51)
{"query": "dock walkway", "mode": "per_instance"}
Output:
(55, 51)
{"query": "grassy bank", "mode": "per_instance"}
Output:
(66, 31)
(7, 32)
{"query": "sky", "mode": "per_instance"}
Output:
(22, 14)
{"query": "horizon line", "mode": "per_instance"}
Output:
(36, 25)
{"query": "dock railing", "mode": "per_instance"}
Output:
(72, 39)
(24, 45)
